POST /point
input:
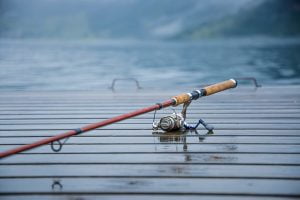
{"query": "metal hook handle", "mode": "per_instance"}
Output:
(252, 79)
(112, 87)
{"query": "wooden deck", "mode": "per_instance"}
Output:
(254, 152)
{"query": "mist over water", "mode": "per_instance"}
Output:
(80, 65)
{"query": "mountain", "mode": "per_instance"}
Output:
(109, 18)
(269, 18)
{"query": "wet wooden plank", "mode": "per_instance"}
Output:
(150, 116)
(262, 92)
(147, 133)
(197, 107)
(120, 111)
(60, 127)
(152, 170)
(171, 186)
(127, 100)
(141, 97)
(156, 158)
(170, 147)
(146, 121)
(179, 139)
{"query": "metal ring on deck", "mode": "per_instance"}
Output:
(56, 185)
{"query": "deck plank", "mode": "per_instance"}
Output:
(152, 170)
(146, 133)
(193, 139)
(183, 186)
(157, 158)
(171, 147)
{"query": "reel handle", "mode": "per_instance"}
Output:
(218, 87)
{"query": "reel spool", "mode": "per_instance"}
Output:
(175, 122)
(169, 123)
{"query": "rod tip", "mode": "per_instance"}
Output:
(235, 82)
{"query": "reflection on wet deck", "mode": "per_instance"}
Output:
(179, 137)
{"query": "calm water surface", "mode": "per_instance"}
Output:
(80, 65)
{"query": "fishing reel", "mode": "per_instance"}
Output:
(169, 123)
(177, 122)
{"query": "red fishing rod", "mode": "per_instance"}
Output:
(175, 101)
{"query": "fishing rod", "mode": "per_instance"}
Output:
(184, 98)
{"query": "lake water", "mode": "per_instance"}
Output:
(81, 65)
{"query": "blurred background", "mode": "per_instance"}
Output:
(85, 44)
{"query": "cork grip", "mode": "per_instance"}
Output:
(218, 87)
(182, 98)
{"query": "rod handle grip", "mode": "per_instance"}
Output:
(218, 87)
(182, 98)
(212, 89)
